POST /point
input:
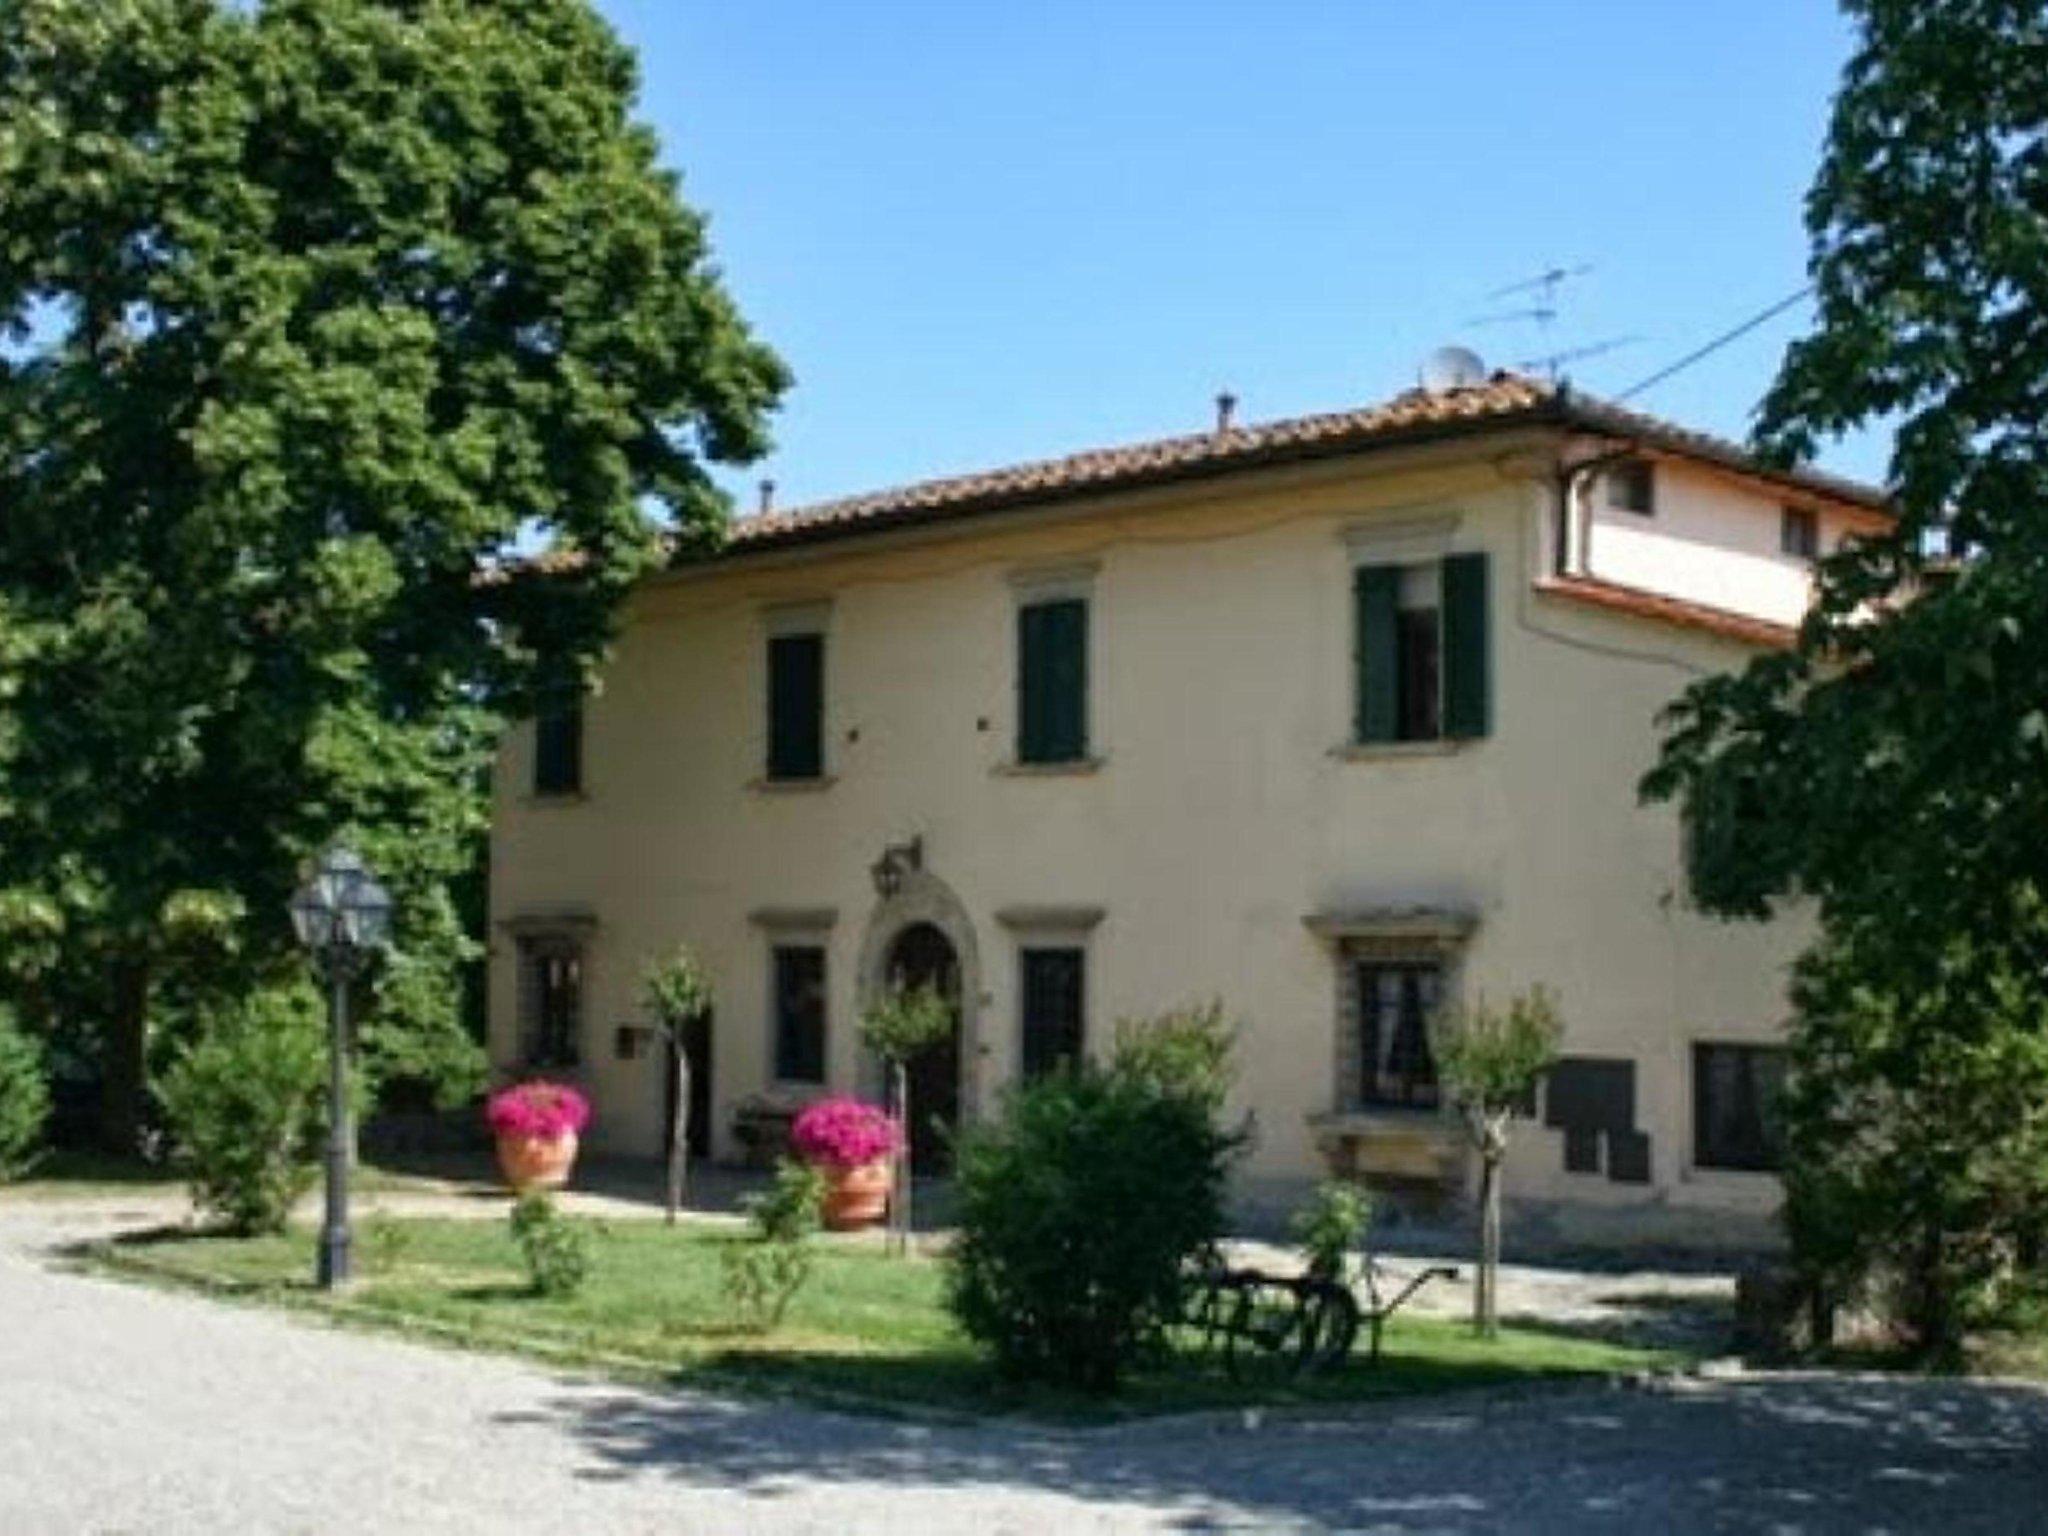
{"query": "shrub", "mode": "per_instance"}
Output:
(843, 1133)
(539, 1110)
(764, 1272)
(246, 1107)
(556, 1250)
(1330, 1226)
(24, 1100)
(1187, 1051)
(1078, 1209)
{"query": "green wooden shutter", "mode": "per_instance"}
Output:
(558, 746)
(1052, 681)
(1468, 688)
(796, 706)
(1376, 601)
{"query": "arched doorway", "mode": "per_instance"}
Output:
(922, 956)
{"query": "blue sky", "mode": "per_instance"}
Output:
(982, 233)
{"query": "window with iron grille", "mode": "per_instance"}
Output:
(1395, 1003)
(555, 1000)
(1052, 1026)
(799, 1013)
(1735, 1095)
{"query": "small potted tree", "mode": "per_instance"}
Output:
(1489, 1061)
(854, 1146)
(539, 1126)
(677, 993)
(898, 1028)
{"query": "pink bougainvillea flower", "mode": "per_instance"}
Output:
(844, 1133)
(543, 1111)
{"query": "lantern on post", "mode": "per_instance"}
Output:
(343, 917)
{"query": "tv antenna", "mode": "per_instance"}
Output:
(1541, 304)
(1551, 362)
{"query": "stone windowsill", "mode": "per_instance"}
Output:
(554, 799)
(768, 786)
(1395, 751)
(1080, 767)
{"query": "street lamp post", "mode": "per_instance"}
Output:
(342, 916)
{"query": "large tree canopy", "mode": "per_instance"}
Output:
(1893, 765)
(312, 308)
(1896, 761)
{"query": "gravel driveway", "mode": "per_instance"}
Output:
(127, 1409)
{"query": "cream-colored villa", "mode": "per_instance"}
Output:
(1336, 718)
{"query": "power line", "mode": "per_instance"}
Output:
(1717, 343)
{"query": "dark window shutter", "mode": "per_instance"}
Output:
(796, 706)
(1052, 681)
(558, 748)
(1376, 600)
(1468, 689)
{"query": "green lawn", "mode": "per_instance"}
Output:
(868, 1330)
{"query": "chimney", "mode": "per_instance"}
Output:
(767, 497)
(1226, 407)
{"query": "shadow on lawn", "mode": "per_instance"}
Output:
(1794, 1452)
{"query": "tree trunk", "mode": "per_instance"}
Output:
(124, 1060)
(899, 1200)
(679, 1128)
(1485, 1304)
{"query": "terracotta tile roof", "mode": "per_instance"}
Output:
(1416, 416)
(1670, 610)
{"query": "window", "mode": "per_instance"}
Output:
(554, 991)
(1052, 1019)
(1735, 1091)
(1052, 681)
(796, 706)
(1799, 533)
(558, 746)
(1395, 1002)
(1632, 487)
(800, 1013)
(1422, 650)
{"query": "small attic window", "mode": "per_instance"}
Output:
(1632, 487)
(1799, 533)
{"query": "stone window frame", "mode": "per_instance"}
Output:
(1394, 936)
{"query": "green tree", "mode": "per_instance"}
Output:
(1893, 764)
(1888, 1188)
(312, 308)
(1489, 1061)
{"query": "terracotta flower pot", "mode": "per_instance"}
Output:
(537, 1162)
(855, 1197)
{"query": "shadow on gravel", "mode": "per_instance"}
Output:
(1804, 1453)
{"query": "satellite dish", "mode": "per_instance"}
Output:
(1452, 368)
